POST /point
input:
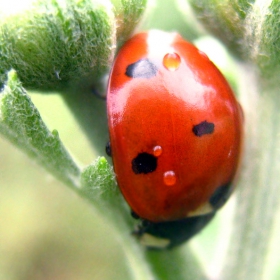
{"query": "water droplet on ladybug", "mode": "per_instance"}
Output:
(157, 151)
(169, 178)
(171, 61)
(203, 54)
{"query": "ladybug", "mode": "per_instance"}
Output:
(176, 134)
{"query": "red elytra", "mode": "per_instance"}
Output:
(175, 126)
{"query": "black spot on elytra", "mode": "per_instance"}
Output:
(108, 149)
(203, 128)
(144, 163)
(220, 196)
(142, 68)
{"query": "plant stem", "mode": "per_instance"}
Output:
(259, 186)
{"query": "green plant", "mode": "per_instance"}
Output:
(68, 46)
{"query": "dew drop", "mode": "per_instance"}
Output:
(171, 61)
(157, 151)
(203, 54)
(169, 178)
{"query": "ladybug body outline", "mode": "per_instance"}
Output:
(176, 133)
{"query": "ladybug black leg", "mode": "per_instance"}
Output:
(108, 149)
(134, 215)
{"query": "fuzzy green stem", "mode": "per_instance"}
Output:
(21, 123)
(179, 263)
(259, 186)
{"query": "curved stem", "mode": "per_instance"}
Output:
(259, 186)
